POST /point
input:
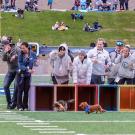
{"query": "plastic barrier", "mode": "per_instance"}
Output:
(41, 97)
(108, 97)
(86, 93)
(127, 97)
(66, 93)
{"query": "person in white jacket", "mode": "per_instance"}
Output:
(82, 69)
(101, 61)
(61, 65)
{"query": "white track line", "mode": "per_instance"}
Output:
(56, 129)
(114, 121)
(57, 132)
(19, 116)
(128, 121)
(7, 114)
(18, 119)
(39, 126)
(105, 134)
(33, 123)
(14, 121)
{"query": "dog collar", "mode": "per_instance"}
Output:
(87, 109)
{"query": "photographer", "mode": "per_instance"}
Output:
(26, 60)
(10, 56)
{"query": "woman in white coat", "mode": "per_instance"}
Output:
(82, 69)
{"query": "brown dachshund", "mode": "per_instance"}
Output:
(91, 108)
(61, 105)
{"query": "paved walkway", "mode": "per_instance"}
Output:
(61, 4)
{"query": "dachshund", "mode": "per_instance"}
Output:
(91, 108)
(61, 105)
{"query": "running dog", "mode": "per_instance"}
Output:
(61, 105)
(91, 108)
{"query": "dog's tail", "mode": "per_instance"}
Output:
(70, 101)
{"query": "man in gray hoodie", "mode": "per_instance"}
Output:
(10, 56)
(61, 65)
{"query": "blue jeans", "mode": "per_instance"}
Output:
(9, 78)
(97, 79)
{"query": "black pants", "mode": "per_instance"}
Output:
(23, 90)
(126, 5)
(121, 5)
(9, 78)
(111, 81)
(97, 79)
(55, 81)
(127, 80)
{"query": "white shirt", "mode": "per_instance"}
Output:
(102, 58)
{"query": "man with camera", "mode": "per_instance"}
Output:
(10, 56)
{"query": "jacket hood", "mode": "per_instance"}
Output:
(65, 46)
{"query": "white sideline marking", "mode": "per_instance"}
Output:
(39, 121)
(21, 118)
(7, 114)
(3, 104)
(50, 129)
(57, 132)
(36, 126)
(114, 121)
(105, 134)
(33, 123)
(14, 121)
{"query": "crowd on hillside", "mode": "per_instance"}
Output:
(102, 5)
(30, 5)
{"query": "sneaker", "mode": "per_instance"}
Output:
(25, 109)
(20, 109)
(12, 106)
(8, 106)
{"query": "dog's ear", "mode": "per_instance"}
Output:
(81, 105)
(84, 104)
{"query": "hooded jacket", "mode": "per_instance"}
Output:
(125, 70)
(61, 66)
(82, 71)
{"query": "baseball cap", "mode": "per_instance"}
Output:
(119, 43)
(5, 42)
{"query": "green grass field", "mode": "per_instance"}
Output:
(74, 123)
(79, 122)
(37, 27)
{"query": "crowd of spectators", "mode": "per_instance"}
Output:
(8, 5)
(97, 66)
(60, 26)
(101, 5)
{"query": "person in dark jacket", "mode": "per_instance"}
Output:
(26, 61)
(10, 55)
